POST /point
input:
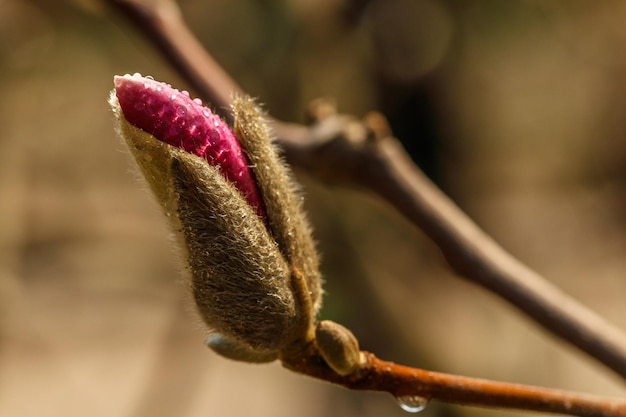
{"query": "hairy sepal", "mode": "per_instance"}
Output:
(283, 201)
(240, 281)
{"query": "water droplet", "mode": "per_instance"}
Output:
(197, 101)
(197, 121)
(150, 77)
(412, 403)
(181, 111)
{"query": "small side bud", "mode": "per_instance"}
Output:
(338, 347)
(239, 280)
(231, 349)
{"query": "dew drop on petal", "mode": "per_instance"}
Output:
(181, 111)
(150, 77)
(197, 101)
(412, 403)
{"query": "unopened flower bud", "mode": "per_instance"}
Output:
(252, 262)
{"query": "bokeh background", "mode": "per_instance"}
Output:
(514, 107)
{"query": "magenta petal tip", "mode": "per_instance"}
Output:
(173, 117)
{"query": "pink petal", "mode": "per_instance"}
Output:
(173, 117)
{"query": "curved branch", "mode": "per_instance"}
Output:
(383, 167)
(402, 382)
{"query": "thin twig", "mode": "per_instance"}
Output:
(383, 167)
(402, 382)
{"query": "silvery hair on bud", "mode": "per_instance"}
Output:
(281, 195)
(240, 281)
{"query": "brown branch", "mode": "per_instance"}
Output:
(329, 152)
(384, 167)
(402, 381)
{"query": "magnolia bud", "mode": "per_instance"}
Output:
(338, 347)
(252, 262)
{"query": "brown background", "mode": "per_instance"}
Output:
(527, 101)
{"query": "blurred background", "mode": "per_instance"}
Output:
(514, 108)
